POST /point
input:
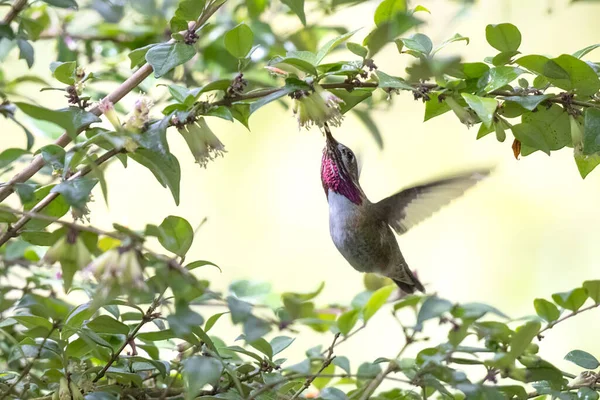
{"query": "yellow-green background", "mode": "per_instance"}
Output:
(528, 231)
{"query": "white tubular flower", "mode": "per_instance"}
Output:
(202, 142)
(118, 267)
(108, 109)
(317, 108)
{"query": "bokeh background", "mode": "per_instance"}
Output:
(528, 231)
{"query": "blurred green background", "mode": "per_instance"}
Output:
(528, 231)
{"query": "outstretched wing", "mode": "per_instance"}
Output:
(409, 207)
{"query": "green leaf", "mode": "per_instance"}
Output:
(503, 37)
(586, 163)
(433, 307)
(553, 123)
(351, 99)
(387, 81)
(376, 301)
(483, 106)
(347, 320)
(76, 192)
(546, 310)
(164, 57)
(64, 72)
(25, 51)
(9, 156)
(434, 107)
(387, 10)
(357, 49)
(585, 50)
(389, 31)
(582, 359)
(332, 44)
(522, 338)
(241, 112)
(176, 235)
(213, 320)
(528, 102)
(456, 38)
(263, 346)
(304, 61)
(497, 77)
(201, 263)
(418, 42)
(593, 290)
(572, 300)
(297, 6)
(138, 56)
(106, 324)
(322, 380)
(585, 393)
(255, 328)
(591, 131)
(189, 10)
(72, 119)
(280, 343)
(55, 209)
(343, 363)
(238, 41)
(531, 136)
(53, 155)
(332, 393)
(199, 371)
(270, 98)
(240, 310)
(63, 3)
(570, 73)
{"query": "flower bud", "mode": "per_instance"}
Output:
(118, 267)
(466, 116)
(107, 108)
(202, 142)
(576, 135)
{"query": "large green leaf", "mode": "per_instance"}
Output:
(387, 10)
(72, 119)
(164, 57)
(76, 191)
(530, 135)
(591, 131)
(572, 300)
(503, 37)
(570, 73)
(583, 359)
(238, 41)
(55, 209)
(546, 310)
(497, 77)
(176, 235)
(593, 290)
(389, 31)
(554, 125)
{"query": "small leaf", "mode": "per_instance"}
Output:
(138, 56)
(593, 290)
(347, 320)
(583, 359)
(585, 50)
(263, 346)
(106, 324)
(528, 102)
(546, 310)
(433, 307)
(570, 73)
(297, 6)
(503, 37)
(456, 38)
(239, 40)
(164, 57)
(25, 51)
(389, 31)
(332, 393)
(255, 328)
(280, 343)
(572, 300)
(484, 107)
(497, 77)
(586, 163)
(176, 235)
(387, 10)
(62, 3)
(357, 49)
(76, 192)
(591, 132)
(64, 72)
(199, 371)
(213, 320)
(522, 338)
(376, 301)
(418, 42)
(331, 45)
(387, 81)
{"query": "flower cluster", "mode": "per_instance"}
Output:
(317, 108)
(136, 119)
(119, 266)
(202, 142)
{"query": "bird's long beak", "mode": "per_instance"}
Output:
(331, 143)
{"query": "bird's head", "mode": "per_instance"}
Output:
(339, 170)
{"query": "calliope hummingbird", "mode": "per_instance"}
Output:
(361, 230)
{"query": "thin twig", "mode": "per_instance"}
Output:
(148, 316)
(574, 313)
(16, 8)
(348, 336)
(51, 196)
(326, 362)
(130, 83)
(30, 364)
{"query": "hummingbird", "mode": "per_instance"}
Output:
(362, 230)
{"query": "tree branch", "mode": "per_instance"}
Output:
(149, 316)
(574, 313)
(16, 8)
(120, 92)
(325, 364)
(13, 231)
